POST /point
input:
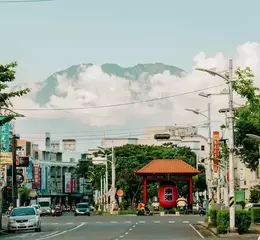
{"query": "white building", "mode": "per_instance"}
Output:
(178, 135)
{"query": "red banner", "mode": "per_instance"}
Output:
(73, 184)
(36, 177)
(215, 150)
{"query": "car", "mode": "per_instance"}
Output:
(82, 209)
(37, 207)
(24, 218)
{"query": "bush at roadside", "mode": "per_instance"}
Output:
(242, 221)
(255, 215)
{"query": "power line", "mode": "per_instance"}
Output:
(118, 104)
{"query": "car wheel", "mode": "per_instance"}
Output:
(75, 215)
(10, 231)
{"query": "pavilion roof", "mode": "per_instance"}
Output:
(167, 166)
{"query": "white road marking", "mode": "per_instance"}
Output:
(196, 231)
(258, 238)
(80, 225)
(54, 235)
(200, 221)
(69, 223)
(171, 221)
(55, 223)
(141, 221)
(130, 229)
(126, 233)
(157, 221)
(121, 236)
(133, 226)
(113, 222)
(99, 222)
(186, 222)
(128, 221)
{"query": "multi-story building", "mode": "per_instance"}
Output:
(179, 136)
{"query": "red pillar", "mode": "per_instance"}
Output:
(190, 200)
(145, 190)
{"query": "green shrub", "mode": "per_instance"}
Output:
(126, 212)
(221, 229)
(223, 220)
(255, 215)
(213, 217)
(243, 221)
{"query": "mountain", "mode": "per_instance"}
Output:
(135, 73)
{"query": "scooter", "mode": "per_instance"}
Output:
(143, 212)
(202, 212)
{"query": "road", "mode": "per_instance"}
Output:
(69, 227)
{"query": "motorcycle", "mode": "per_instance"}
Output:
(202, 212)
(143, 212)
(56, 211)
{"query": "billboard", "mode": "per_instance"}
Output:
(67, 182)
(215, 150)
(6, 158)
(81, 185)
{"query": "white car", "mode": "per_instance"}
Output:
(24, 218)
(38, 208)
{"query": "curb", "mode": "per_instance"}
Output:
(209, 229)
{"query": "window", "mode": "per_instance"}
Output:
(168, 194)
(202, 148)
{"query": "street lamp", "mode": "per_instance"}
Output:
(113, 167)
(209, 168)
(229, 81)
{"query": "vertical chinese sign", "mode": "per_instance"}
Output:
(67, 182)
(36, 176)
(215, 151)
(73, 184)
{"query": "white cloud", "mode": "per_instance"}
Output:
(93, 87)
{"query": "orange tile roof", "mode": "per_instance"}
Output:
(173, 166)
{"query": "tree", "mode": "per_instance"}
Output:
(7, 75)
(130, 158)
(247, 117)
(255, 194)
(24, 194)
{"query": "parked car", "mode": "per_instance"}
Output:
(24, 218)
(82, 209)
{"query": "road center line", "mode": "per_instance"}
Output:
(196, 231)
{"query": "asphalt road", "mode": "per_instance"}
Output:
(69, 227)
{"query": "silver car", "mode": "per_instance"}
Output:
(24, 218)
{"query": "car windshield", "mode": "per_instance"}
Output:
(35, 206)
(82, 205)
(22, 212)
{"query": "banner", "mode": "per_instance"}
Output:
(43, 178)
(36, 176)
(29, 175)
(67, 182)
(215, 150)
(73, 185)
(81, 185)
(6, 158)
(5, 140)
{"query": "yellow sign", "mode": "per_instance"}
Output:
(6, 158)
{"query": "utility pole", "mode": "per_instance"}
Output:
(14, 182)
(231, 150)
(210, 155)
(113, 166)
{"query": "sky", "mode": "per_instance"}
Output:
(46, 37)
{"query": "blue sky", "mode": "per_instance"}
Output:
(50, 36)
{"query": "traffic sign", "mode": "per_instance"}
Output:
(2, 184)
(120, 193)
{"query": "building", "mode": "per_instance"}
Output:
(178, 135)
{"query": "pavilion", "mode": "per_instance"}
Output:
(168, 170)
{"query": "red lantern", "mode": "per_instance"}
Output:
(168, 195)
